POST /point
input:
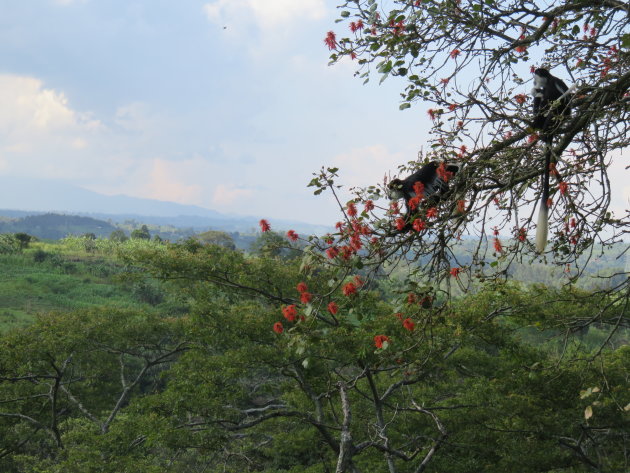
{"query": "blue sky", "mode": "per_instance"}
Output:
(226, 104)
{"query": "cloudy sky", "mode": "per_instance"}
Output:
(226, 104)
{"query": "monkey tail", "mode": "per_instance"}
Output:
(542, 227)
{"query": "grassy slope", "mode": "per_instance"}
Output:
(66, 278)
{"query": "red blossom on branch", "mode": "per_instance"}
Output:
(455, 53)
(333, 308)
(306, 297)
(394, 208)
(400, 223)
(291, 235)
(264, 225)
(409, 324)
(432, 212)
(278, 328)
(431, 113)
(349, 289)
(563, 186)
(369, 205)
(301, 287)
(331, 40)
(497, 245)
(290, 312)
(455, 272)
(520, 98)
(332, 252)
(461, 206)
(380, 340)
(351, 209)
(418, 225)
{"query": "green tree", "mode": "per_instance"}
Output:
(118, 235)
(141, 233)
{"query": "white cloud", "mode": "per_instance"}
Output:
(225, 195)
(171, 181)
(266, 14)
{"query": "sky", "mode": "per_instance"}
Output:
(225, 104)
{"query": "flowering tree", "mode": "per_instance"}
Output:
(469, 64)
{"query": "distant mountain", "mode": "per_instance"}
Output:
(54, 227)
(32, 196)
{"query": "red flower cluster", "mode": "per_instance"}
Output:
(431, 113)
(455, 53)
(443, 173)
(278, 328)
(369, 205)
(432, 212)
(461, 206)
(290, 312)
(409, 324)
(356, 26)
(520, 98)
(301, 287)
(380, 340)
(418, 225)
(333, 308)
(400, 223)
(455, 272)
(305, 296)
(332, 252)
(563, 186)
(349, 289)
(497, 245)
(331, 40)
(264, 225)
(521, 234)
(291, 235)
(352, 209)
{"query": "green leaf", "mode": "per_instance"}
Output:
(625, 40)
(404, 106)
(345, 14)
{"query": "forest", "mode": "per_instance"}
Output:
(438, 336)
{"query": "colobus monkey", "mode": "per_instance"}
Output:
(547, 115)
(547, 89)
(433, 177)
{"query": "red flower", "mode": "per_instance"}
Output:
(455, 53)
(573, 222)
(369, 205)
(455, 272)
(495, 231)
(452, 107)
(400, 223)
(278, 328)
(432, 212)
(532, 138)
(290, 312)
(306, 297)
(349, 289)
(418, 225)
(332, 252)
(291, 235)
(394, 208)
(380, 340)
(549, 202)
(431, 113)
(264, 225)
(398, 315)
(521, 49)
(331, 40)
(301, 287)
(522, 234)
(352, 209)
(460, 124)
(333, 308)
(520, 98)
(563, 186)
(418, 188)
(414, 202)
(411, 298)
(443, 173)
(409, 324)
(497, 246)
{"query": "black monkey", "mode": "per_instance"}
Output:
(548, 113)
(433, 178)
